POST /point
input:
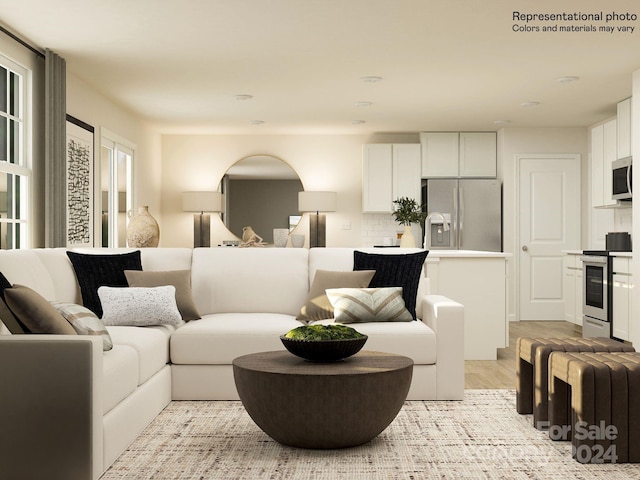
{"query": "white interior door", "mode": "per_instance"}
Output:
(549, 222)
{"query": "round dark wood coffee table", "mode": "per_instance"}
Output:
(322, 405)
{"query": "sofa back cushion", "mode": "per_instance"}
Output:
(26, 268)
(153, 259)
(341, 259)
(268, 280)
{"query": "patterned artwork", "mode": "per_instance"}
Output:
(79, 183)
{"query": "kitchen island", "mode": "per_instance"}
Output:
(478, 280)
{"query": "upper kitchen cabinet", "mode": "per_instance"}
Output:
(603, 152)
(478, 154)
(389, 171)
(453, 154)
(624, 128)
(440, 153)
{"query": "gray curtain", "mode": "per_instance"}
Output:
(55, 222)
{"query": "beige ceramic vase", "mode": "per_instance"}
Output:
(143, 230)
(407, 240)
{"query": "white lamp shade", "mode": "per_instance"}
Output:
(317, 201)
(202, 201)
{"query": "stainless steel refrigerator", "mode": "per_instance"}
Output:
(471, 207)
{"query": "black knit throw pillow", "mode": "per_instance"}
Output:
(94, 271)
(394, 270)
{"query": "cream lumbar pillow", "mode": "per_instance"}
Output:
(139, 306)
(359, 305)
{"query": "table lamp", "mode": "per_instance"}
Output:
(317, 202)
(202, 202)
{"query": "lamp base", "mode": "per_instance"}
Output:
(201, 230)
(318, 230)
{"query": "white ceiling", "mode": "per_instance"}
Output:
(445, 64)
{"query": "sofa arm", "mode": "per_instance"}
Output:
(51, 406)
(446, 319)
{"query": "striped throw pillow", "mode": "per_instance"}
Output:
(84, 322)
(360, 305)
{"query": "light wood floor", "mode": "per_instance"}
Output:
(501, 373)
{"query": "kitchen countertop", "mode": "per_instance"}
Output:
(466, 254)
(613, 254)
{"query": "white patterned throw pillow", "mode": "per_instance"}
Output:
(359, 305)
(140, 306)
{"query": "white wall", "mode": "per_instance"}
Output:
(86, 104)
(513, 141)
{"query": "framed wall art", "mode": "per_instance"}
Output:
(79, 182)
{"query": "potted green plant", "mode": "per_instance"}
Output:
(406, 212)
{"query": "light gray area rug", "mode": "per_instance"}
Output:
(481, 437)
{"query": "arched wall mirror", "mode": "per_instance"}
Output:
(260, 191)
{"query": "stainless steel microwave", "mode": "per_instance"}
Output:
(622, 179)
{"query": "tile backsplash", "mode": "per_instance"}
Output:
(622, 220)
(378, 227)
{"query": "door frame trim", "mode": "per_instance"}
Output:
(519, 157)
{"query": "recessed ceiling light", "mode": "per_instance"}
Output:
(256, 122)
(371, 79)
(567, 79)
(244, 96)
(502, 122)
(363, 104)
(530, 104)
(358, 122)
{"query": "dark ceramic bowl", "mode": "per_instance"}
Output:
(324, 350)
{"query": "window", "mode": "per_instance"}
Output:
(15, 174)
(116, 191)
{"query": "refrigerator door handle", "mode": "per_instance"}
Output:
(461, 222)
(454, 236)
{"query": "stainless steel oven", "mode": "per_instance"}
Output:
(597, 294)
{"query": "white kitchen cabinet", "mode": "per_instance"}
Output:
(440, 154)
(389, 171)
(603, 152)
(624, 128)
(622, 297)
(478, 280)
(463, 154)
(573, 285)
(478, 154)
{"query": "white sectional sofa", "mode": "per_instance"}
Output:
(76, 408)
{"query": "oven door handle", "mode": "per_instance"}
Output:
(594, 260)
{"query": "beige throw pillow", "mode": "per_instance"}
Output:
(35, 312)
(181, 279)
(317, 306)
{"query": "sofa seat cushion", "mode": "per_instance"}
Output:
(218, 338)
(120, 375)
(151, 345)
(414, 339)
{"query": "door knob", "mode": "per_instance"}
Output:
(525, 248)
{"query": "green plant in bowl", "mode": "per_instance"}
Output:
(323, 343)
(323, 332)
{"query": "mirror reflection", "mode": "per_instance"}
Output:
(260, 191)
